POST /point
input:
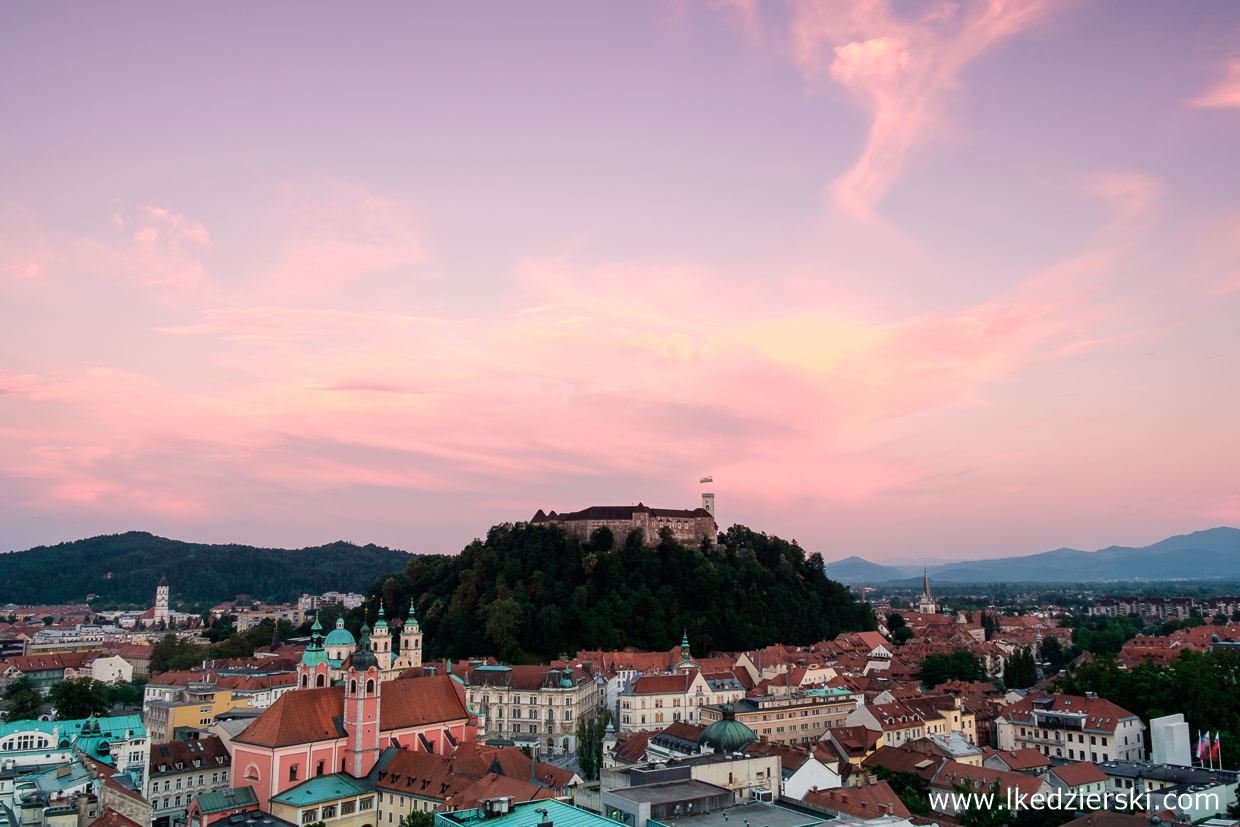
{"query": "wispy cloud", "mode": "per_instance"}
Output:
(903, 69)
(1226, 92)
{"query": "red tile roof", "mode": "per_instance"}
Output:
(863, 801)
(111, 818)
(1083, 772)
(662, 684)
(305, 715)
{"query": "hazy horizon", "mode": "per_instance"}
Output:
(947, 278)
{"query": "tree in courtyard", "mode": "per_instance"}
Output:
(591, 730)
(25, 701)
(960, 665)
(79, 698)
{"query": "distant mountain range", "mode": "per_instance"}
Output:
(1202, 555)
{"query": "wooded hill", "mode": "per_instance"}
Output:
(535, 591)
(125, 568)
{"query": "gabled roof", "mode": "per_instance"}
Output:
(1082, 772)
(179, 756)
(499, 786)
(304, 715)
(1023, 759)
(111, 818)
(633, 749)
(662, 684)
(862, 801)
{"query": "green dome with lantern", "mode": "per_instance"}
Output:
(727, 735)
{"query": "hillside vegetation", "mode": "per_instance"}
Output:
(535, 591)
(124, 568)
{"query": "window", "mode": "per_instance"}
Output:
(347, 807)
(224, 775)
(178, 783)
(178, 801)
(1104, 742)
(215, 777)
(366, 804)
(200, 779)
(168, 784)
(329, 811)
(292, 776)
(309, 816)
(318, 770)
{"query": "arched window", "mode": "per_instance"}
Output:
(251, 773)
(320, 681)
(370, 687)
(304, 681)
(352, 687)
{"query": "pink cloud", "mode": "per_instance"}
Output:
(1226, 92)
(334, 234)
(149, 247)
(902, 69)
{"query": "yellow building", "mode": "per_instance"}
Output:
(337, 800)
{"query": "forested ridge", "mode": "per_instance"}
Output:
(535, 591)
(124, 568)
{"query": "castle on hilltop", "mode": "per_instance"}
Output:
(689, 527)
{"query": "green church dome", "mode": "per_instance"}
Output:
(339, 636)
(727, 735)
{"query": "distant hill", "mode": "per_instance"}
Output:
(535, 590)
(1202, 555)
(856, 570)
(126, 568)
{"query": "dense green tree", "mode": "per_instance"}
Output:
(1054, 654)
(1019, 670)
(496, 596)
(418, 819)
(591, 729)
(960, 665)
(79, 698)
(602, 539)
(25, 700)
(912, 789)
(1204, 686)
(173, 653)
(126, 694)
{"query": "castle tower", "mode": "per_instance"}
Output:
(381, 645)
(708, 502)
(410, 642)
(361, 709)
(161, 601)
(927, 605)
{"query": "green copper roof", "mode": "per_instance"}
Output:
(411, 621)
(380, 623)
(727, 735)
(227, 799)
(340, 636)
(316, 627)
(324, 788)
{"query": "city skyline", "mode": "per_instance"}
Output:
(917, 280)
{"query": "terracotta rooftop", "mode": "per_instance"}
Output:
(305, 715)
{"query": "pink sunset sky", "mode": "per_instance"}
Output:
(940, 279)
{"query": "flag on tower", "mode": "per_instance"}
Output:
(705, 480)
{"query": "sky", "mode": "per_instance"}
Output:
(907, 279)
